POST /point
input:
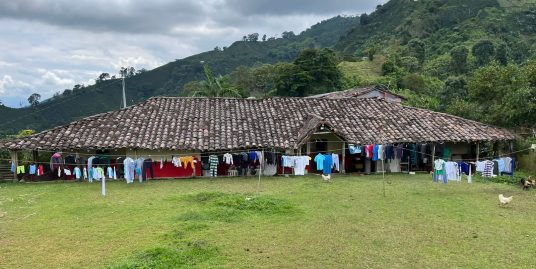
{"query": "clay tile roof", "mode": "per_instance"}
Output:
(183, 123)
(356, 92)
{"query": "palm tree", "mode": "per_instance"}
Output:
(215, 86)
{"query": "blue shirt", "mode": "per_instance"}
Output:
(33, 169)
(375, 152)
(319, 159)
(252, 155)
(501, 163)
(328, 163)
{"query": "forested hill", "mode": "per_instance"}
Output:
(455, 56)
(169, 79)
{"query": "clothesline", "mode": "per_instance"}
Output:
(254, 149)
(272, 152)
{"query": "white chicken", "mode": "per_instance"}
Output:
(326, 177)
(505, 200)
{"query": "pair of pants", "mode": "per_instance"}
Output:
(187, 161)
(440, 175)
(147, 166)
(213, 170)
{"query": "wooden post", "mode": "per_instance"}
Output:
(15, 161)
(343, 163)
(433, 155)
(477, 151)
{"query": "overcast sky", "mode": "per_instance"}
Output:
(50, 45)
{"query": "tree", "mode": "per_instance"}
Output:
(103, 76)
(454, 89)
(263, 37)
(34, 99)
(364, 19)
(253, 37)
(141, 71)
(371, 52)
(459, 59)
(214, 86)
(314, 71)
(288, 35)
(411, 64)
(504, 94)
(501, 54)
(417, 49)
(483, 51)
(131, 72)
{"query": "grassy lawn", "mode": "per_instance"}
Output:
(294, 223)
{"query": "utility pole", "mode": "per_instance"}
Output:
(124, 95)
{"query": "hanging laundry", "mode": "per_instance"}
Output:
(399, 152)
(161, 164)
(480, 166)
(336, 163)
(375, 149)
(452, 171)
(13, 167)
(90, 167)
(328, 163)
(380, 152)
(228, 158)
(369, 151)
(389, 154)
(33, 169)
(413, 153)
(260, 156)
(270, 157)
(507, 164)
(213, 162)
(287, 161)
(147, 167)
(110, 172)
(85, 173)
(115, 174)
(77, 173)
(464, 167)
(21, 169)
(176, 161)
(488, 169)
(300, 162)
(40, 170)
(439, 171)
(188, 160)
(252, 156)
(129, 166)
(319, 159)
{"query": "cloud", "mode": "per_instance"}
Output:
(53, 45)
(8, 83)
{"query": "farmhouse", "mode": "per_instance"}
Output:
(163, 128)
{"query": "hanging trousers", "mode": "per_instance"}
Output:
(147, 167)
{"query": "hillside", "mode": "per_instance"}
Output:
(168, 79)
(411, 42)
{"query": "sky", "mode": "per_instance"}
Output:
(50, 45)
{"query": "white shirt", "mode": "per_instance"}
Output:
(438, 164)
(228, 158)
(300, 162)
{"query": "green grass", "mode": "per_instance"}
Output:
(293, 223)
(367, 72)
